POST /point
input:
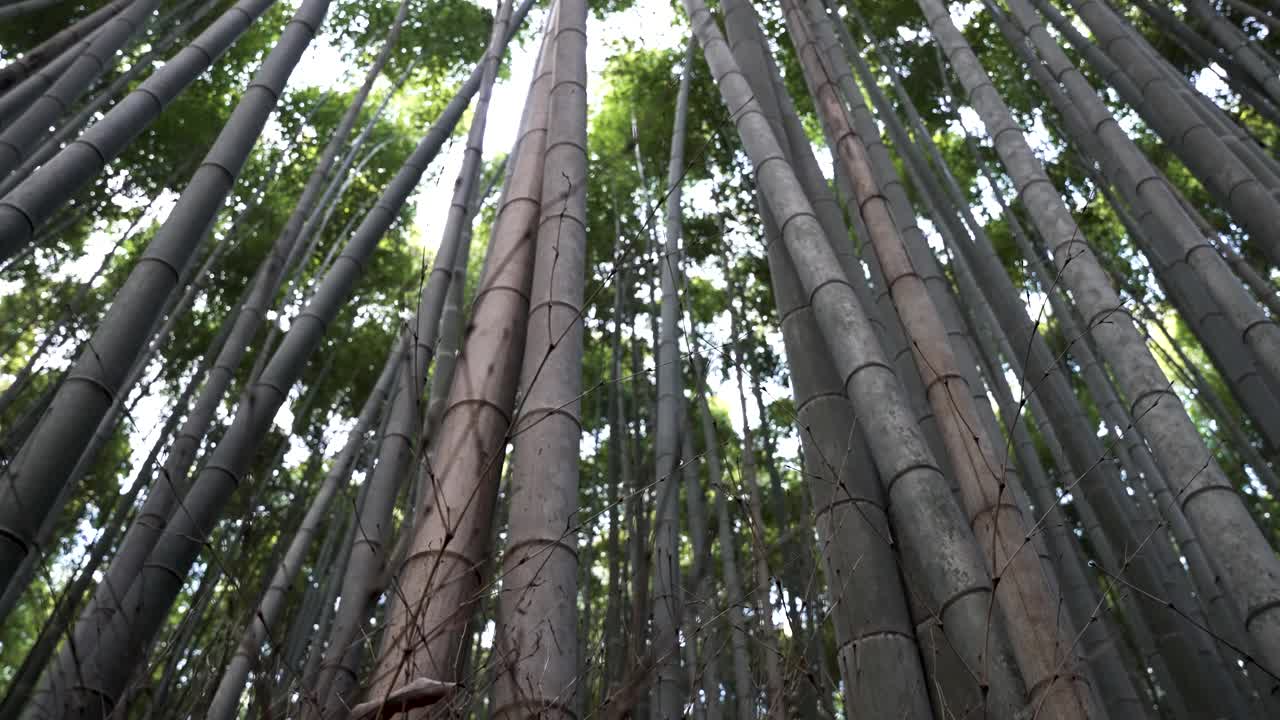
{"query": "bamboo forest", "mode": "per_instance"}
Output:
(639, 359)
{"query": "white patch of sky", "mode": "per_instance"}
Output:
(961, 14)
(1211, 82)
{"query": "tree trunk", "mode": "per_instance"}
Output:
(536, 645)
(735, 599)
(1119, 521)
(35, 58)
(1237, 46)
(27, 130)
(997, 523)
(451, 324)
(333, 575)
(226, 699)
(18, 99)
(1173, 232)
(619, 482)
(1212, 59)
(1256, 13)
(71, 127)
(359, 587)
(668, 600)
(443, 570)
(229, 348)
(73, 317)
(914, 481)
(161, 576)
(639, 556)
(42, 466)
(29, 205)
(179, 649)
(700, 622)
(400, 444)
(802, 579)
(1142, 84)
(1221, 520)
(23, 7)
(776, 699)
(24, 681)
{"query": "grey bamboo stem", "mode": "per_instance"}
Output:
(15, 101)
(1160, 100)
(1238, 46)
(1175, 233)
(776, 698)
(668, 601)
(128, 632)
(18, 9)
(1028, 604)
(1256, 13)
(46, 458)
(441, 573)
(400, 443)
(538, 617)
(29, 205)
(1113, 682)
(54, 143)
(914, 482)
(27, 130)
(1221, 520)
(226, 353)
(37, 57)
(451, 325)
(734, 597)
(1097, 483)
(619, 476)
(18, 70)
(225, 701)
(700, 625)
